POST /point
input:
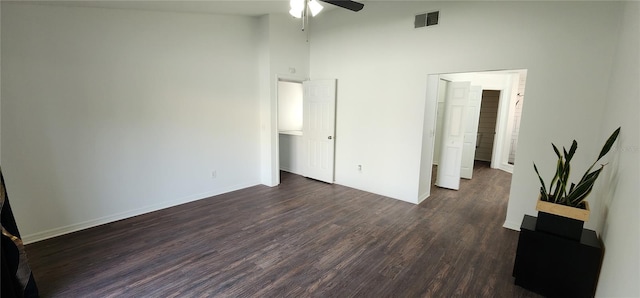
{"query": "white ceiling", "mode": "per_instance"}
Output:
(233, 7)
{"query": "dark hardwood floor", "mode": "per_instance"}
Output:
(302, 238)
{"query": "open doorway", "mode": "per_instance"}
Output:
(306, 127)
(494, 130)
(487, 125)
(290, 126)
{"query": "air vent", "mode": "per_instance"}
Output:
(426, 19)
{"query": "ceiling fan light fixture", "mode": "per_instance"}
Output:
(295, 13)
(315, 7)
(301, 8)
(297, 6)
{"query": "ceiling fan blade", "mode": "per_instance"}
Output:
(350, 5)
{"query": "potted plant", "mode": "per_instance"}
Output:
(562, 209)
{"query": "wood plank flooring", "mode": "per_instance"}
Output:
(301, 239)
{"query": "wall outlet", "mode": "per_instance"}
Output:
(214, 174)
(360, 168)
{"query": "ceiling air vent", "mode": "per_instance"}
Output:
(426, 19)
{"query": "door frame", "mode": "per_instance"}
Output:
(504, 126)
(431, 110)
(274, 151)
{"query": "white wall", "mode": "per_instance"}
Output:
(442, 90)
(291, 153)
(517, 116)
(267, 159)
(284, 54)
(382, 65)
(110, 113)
(0, 85)
(289, 106)
(618, 204)
(432, 97)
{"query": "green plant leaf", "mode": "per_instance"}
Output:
(543, 188)
(558, 173)
(607, 145)
(572, 151)
(577, 201)
(583, 189)
(556, 150)
(562, 175)
(587, 172)
(577, 192)
(605, 149)
(557, 179)
(565, 178)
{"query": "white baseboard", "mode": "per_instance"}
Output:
(512, 225)
(35, 237)
(423, 197)
(291, 171)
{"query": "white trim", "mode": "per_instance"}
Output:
(423, 197)
(290, 171)
(506, 167)
(508, 90)
(31, 238)
(431, 105)
(512, 225)
(289, 78)
(504, 124)
(498, 137)
(291, 132)
(274, 134)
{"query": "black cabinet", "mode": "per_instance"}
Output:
(555, 266)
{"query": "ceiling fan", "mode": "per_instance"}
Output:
(301, 8)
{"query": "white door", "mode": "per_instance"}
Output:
(456, 102)
(471, 132)
(319, 103)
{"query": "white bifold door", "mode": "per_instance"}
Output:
(319, 104)
(456, 101)
(471, 132)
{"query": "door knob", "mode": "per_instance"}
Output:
(330, 137)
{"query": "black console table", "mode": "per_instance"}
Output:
(555, 266)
